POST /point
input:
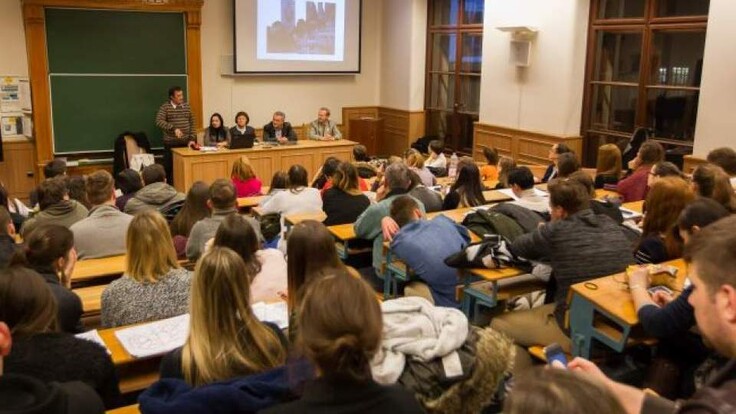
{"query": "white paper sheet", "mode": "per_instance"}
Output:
(155, 338)
(276, 313)
(95, 337)
(509, 192)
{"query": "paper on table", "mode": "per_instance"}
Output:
(155, 338)
(630, 214)
(509, 192)
(276, 313)
(95, 337)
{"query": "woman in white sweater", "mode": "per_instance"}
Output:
(297, 198)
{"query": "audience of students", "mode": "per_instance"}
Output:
(431, 199)
(195, 208)
(521, 182)
(156, 193)
(423, 245)
(343, 202)
(324, 174)
(266, 267)
(103, 232)
(55, 206)
(39, 350)
(604, 206)
(18, 211)
(244, 178)
(222, 202)
(711, 259)
(153, 286)
(567, 164)
(608, 165)
(579, 245)
(128, 182)
(489, 172)
(437, 159)
(554, 154)
(77, 188)
(340, 336)
(665, 201)
(415, 161)
(225, 338)
(53, 168)
(467, 190)
(50, 252)
(216, 134)
(298, 196)
(710, 181)
(634, 187)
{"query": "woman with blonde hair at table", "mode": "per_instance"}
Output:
(225, 340)
(153, 286)
(608, 165)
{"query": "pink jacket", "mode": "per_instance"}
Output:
(247, 188)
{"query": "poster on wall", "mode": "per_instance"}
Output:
(11, 124)
(15, 94)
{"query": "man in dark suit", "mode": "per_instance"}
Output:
(278, 130)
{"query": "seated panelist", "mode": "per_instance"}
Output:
(278, 130)
(322, 128)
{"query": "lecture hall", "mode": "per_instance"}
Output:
(367, 206)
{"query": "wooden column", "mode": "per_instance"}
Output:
(194, 65)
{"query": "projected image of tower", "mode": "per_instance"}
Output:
(288, 13)
(305, 26)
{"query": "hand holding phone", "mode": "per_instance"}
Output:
(554, 352)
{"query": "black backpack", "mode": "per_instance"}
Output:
(486, 222)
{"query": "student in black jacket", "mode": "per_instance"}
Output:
(39, 350)
(340, 336)
(7, 242)
(344, 201)
(50, 252)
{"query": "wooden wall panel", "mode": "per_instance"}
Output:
(303, 158)
(400, 127)
(690, 162)
(353, 112)
(526, 147)
(16, 171)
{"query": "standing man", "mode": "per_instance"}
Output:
(278, 130)
(322, 128)
(177, 122)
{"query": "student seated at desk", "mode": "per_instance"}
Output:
(128, 182)
(437, 160)
(39, 349)
(431, 199)
(17, 210)
(634, 187)
(102, 233)
(50, 252)
(467, 191)
(311, 251)
(28, 395)
(711, 259)
(665, 201)
(672, 319)
(711, 181)
(156, 194)
(423, 245)
(364, 163)
(55, 205)
(77, 187)
(567, 164)
(505, 166)
(554, 153)
(368, 225)
(8, 246)
(489, 172)
(610, 208)
(153, 286)
(225, 338)
(344, 202)
(217, 133)
(194, 209)
(579, 246)
(223, 203)
(415, 161)
(521, 182)
(267, 266)
(608, 165)
(244, 178)
(340, 336)
(724, 157)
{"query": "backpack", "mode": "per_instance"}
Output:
(486, 222)
(169, 211)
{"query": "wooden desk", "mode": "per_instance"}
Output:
(457, 215)
(91, 297)
(250, 202)
(89, 270)
(191, 166)
(601, 193)
(495, 196)
(131, 409)
(637, 206)
(133, 374)
(293, 219)
(603, 309)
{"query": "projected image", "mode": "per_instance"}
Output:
(301, 30)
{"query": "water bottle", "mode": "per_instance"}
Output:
(452, 171)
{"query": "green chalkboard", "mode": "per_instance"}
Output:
(123, 42)
(89, 112)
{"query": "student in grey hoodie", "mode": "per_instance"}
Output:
(156, 194)
(55, 205)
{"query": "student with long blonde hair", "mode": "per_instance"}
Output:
(244, 178)
(153, 286)
(225, 338)
(608, 166)
(415, 162)
(340, 336)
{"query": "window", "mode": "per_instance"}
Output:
(645, 59)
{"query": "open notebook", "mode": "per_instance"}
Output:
(509, 192)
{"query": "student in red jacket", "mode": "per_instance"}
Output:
(634, 187)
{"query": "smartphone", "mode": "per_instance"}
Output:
(553, 353)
